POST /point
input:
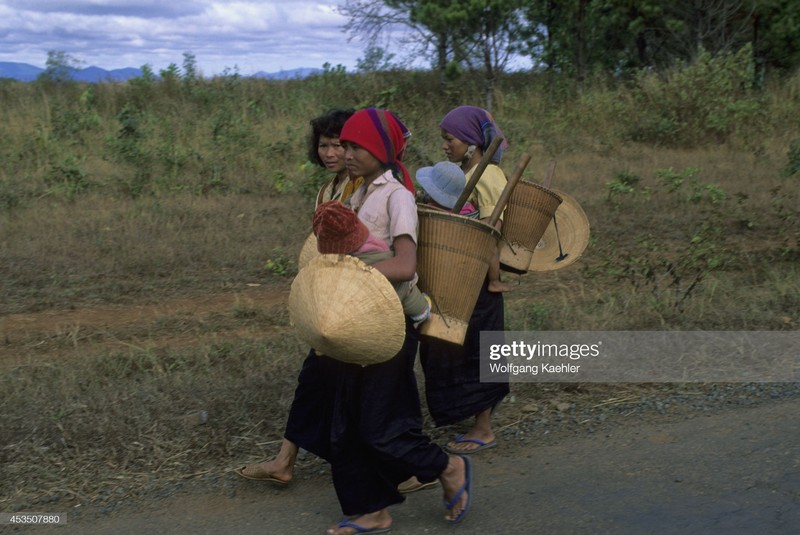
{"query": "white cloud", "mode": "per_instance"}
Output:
(140, 8)
(250, 35)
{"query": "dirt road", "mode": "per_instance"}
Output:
(735, 471)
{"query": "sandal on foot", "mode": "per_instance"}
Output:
(346, 523)
(481, 445)
(407, 488)
(259, 476)
(466, 487)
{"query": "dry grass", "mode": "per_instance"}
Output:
(105, 250)
(120, 316)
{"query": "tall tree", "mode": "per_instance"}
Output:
(480, 34)
(775, 34)
(492, 35)
(619, 36)
(59, 67)
(630, 34)
(717, 26)
(376, 23)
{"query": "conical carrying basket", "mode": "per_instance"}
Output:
(453, 255)
(529, 211)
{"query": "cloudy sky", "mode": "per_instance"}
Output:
(249, 35)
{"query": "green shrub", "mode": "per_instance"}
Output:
(711, 99)
(623, 183)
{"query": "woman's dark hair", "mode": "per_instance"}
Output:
(328, 125)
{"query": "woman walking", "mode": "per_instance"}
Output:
(453, 388)
(325, 149)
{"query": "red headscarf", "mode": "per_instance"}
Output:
(383, 135)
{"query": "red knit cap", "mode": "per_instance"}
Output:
(383, 135)
(338, 229)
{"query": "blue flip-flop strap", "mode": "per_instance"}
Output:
(348, 524)
(461, 440)
(455, 499)
(359, 529)
(466, 487)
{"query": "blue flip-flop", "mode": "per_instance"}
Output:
(466, 487)
(346, 523)
(461, 440)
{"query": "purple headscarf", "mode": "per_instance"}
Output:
(474, 126)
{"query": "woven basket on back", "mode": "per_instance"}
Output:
(347, 310)
(453, 255)
(528, 213)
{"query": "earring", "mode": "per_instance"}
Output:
(469, 153)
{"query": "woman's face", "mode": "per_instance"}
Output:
(331, 153)
(454, 148)
(361, 162)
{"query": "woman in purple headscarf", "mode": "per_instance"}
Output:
(453, 388)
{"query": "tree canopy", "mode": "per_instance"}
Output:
(582, 37)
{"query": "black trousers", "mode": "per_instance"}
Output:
(453, 387)
(367, 422)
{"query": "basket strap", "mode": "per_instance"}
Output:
(561, 255)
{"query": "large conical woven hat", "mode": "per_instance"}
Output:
(347, 310)
(308, 252)
(573, 235)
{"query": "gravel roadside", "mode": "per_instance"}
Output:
(532, 417)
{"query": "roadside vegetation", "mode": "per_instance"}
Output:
(174, 187)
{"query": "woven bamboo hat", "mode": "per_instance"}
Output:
(347, 310)
(558, 249)
(308, 252)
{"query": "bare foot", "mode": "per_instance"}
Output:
(454, 479)
(370, 521)
(497, 286)
(271, 470)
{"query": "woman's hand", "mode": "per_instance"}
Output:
(403, 265)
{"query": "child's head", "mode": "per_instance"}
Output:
(443, 182)
(338, 229)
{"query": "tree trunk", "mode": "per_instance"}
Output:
(549, 54)
(441, 59)
(489, 80)
(758, 56)
(641, 50)
(580, 48)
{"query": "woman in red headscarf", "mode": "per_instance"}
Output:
(368, 423)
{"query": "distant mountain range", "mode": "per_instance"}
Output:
(303, 72)
(28, 73)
